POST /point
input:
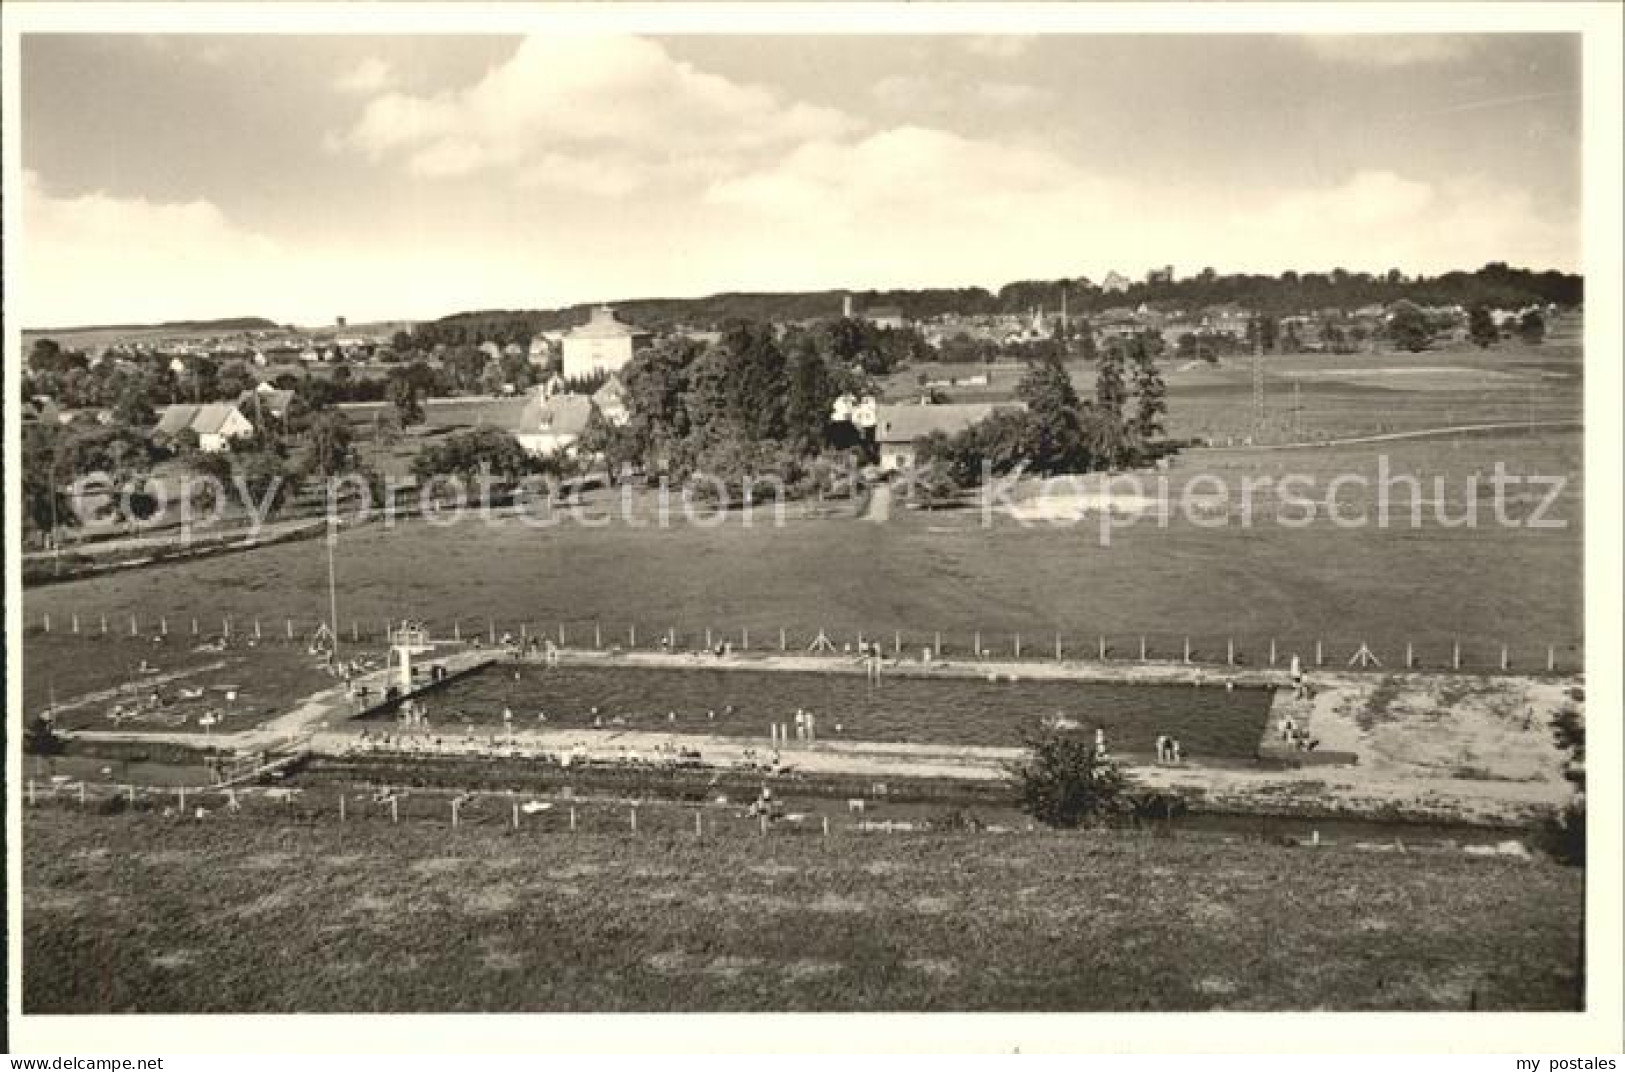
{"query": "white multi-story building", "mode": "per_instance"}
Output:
(602, 344)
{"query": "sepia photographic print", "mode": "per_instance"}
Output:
(875, 510)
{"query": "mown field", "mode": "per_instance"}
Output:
(136, 913)
(1313, 397)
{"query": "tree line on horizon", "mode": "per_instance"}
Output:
(1495, 284)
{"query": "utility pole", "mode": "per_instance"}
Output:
(1258, 384)
(332, 584)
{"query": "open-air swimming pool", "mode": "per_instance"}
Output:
(1210, 721)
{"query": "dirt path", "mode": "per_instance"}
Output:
(879, 503)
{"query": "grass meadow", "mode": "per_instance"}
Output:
(255, 916)
(921, 574)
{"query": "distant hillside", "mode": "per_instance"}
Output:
(177, 327)
(1291, 292)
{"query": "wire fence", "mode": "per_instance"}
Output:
(379, 808)
(1243, 650)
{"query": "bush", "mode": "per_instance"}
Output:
(1564, 835)
(957, 819)
(41, 739)
(1063, 783)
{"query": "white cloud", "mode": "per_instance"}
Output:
(907, 92)
(999, 46)
(1389, 50)
(369, 76)
(124, 256)
(609, 103)
(912, 206)
(95, 258)
(1012, 95)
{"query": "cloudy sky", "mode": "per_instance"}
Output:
(409, 177)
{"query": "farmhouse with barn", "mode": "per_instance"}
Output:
(217, 425)
(897, 428)
(549, 425)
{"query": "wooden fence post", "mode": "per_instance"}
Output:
(1018, 645)
(897, 642)
(76, 625)
(978, 644)
(134, 630)
(516, 815)
(194, 627)
(104, 625)
(1551, 658)
(225, 625)
(1506, 662)
(826, 826)
(633, 814)
(1057, 647)
(457, 629)
(341, 807)
(394, 809)
(764, 824)
(936, 647)
(1272, 651)
(493, 626)
(597, 636)
(707, 638)
(1100, 647)
(1318, 660)
(455, 803)
(699, 823)
(256, 629)
(47, 622)
(631, 636)
(1230, 651)
(1455, 655)
(572, 818)
(289, 623)
(1410, 655)
(1187, 649)
(744, 639)
(355, 631)
(561, 634)
(783, 643)
(1142, 647)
